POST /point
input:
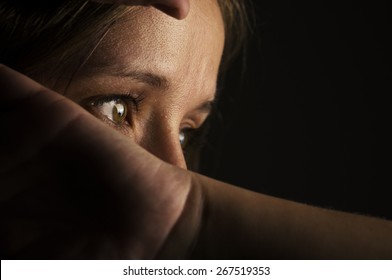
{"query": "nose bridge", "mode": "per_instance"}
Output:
(163, 142)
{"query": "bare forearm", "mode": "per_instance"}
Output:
(240, 224)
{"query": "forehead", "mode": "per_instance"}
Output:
(147, 40)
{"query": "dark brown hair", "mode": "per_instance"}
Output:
(50, 40)
(67, 29)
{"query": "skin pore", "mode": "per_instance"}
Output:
(161, 73)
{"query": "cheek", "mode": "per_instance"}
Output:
(158, 132)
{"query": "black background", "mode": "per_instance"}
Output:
(310, 119)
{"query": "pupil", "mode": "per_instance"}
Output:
(119, 110)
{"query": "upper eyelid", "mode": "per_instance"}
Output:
(204, 111)
(93, 103)
(134, 99)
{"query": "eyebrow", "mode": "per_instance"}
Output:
(152, 79)
(149, 78)
(158, 81)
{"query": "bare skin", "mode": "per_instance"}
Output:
(93, 187)
(80, 196)
(76, 187)
(190, 216)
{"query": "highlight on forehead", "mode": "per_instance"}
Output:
(73, 28)
(151, 47)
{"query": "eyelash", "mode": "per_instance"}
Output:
(129, 98)
(133, 101)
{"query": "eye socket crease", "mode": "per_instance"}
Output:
(201, 112)
(206, 107)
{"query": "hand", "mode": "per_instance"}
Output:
(176, 8)
(72, 187)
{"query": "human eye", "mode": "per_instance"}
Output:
(192, 141)
(184, 137)
(117, 109)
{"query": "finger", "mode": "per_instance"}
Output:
(178, 9)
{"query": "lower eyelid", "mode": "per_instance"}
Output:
(125, 129)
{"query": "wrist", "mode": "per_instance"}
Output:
(182, 238)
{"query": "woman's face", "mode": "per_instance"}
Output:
(153, 77)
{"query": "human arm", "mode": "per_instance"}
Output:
(241, 224)
(73, 188)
